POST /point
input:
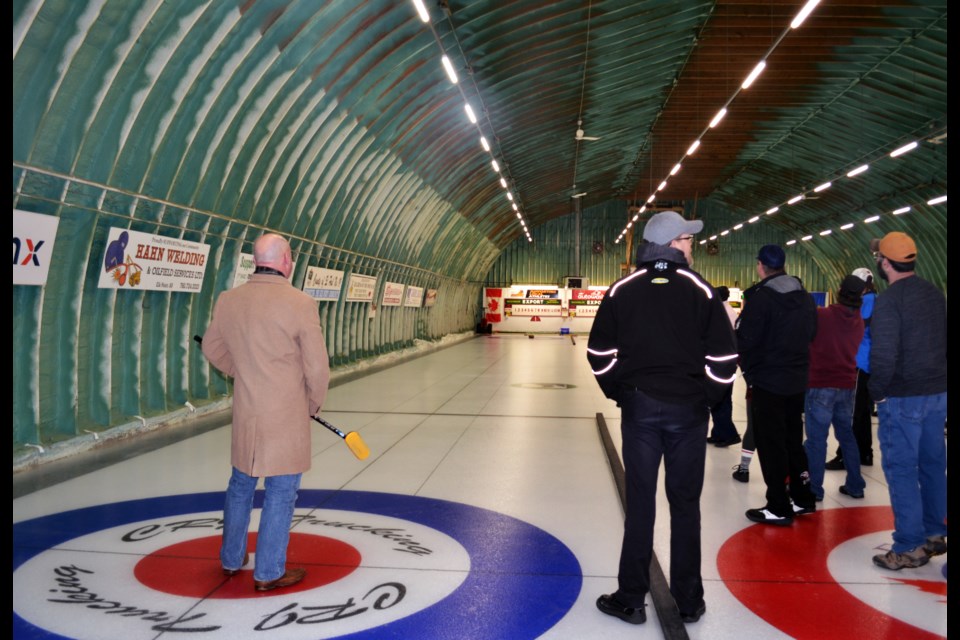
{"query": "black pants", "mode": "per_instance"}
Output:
(653, 430)
(778, 431)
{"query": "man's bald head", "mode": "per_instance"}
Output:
(272, 250)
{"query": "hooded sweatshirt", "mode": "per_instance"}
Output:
(776, 327)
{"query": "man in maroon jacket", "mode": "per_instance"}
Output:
(832, 387)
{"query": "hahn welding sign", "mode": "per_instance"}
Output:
(33, 236)
(147, 262)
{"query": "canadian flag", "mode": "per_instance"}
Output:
(493, 303)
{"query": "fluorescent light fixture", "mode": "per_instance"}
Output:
(790, 242)
(725, 232)
(897, 212)
(629, 224)
(703, 242)
(509, 196)
(805, 238)
(807, 8)
(449, 67)
(738, 227)
(772, 210)
(757, 70)
(662, 186)
(937, 200)
(421, 10)
(902, 150)
(823, 187)
(652, 197)
(519, 217)
(826, 232)
(753, 219)
(795, 199)
(872, 219)
(676, 168)
(496, 167)
(713, 237)
(717, 118)
(693, 147)
(849, 225)
(636, 217)
(470, 114)
(484, 144)
(503, 183)
(514, 205)
(858, 170)
(644, 207)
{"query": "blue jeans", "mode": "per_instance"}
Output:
(914, 458)
(280, 496)
(821, 407)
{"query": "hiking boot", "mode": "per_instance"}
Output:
(935, 546)
(907, 560)
(834, 465)
(740, 474)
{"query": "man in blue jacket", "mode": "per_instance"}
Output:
(662, 347)
(777, 325)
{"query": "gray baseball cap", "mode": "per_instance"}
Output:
(669, 225)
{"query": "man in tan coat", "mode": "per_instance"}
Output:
(267, 336)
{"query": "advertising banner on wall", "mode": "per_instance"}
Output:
(431, 298)
(246, 267)
(540, 307)
(392, 294)
(585, 302)
(413, 297)
(152, 263)
(33, 238)
(360, 288)
(323, 284)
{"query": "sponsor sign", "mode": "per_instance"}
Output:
(33, 238)
(148, 262)
(392, 294)
(520, 307)
(431, 298)
(323, 284)
(360, 288)
(413, 297)
(246, 267)
(585, 302)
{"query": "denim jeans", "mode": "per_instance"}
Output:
(914, 458)
(655, 431)
(722, 414)
(280, 496)
(821, 407)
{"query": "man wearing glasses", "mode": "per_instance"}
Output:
(662, 347)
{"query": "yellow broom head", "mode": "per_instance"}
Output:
(357, 445)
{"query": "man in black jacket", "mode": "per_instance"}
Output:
(777, 325)
(662, 347)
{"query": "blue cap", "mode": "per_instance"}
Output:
(771, 255)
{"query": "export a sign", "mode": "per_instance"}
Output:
(520, 307)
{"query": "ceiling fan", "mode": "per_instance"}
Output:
(579, 135)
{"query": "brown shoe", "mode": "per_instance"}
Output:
(233, 572)
(291, 577)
